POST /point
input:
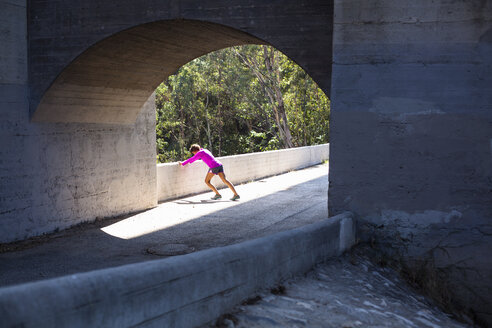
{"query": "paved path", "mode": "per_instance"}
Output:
(345, 292)
(189, 224)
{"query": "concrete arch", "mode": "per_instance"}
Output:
(106, 67)
(110, 82)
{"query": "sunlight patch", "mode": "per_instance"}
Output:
(172, 213)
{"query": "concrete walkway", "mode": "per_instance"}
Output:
(185, 225)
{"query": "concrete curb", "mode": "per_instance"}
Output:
(182, 291)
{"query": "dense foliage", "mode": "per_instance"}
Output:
(239, 100)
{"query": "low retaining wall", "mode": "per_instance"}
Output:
(182, 291)
(175, 181)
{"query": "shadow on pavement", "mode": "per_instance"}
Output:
(88, 248)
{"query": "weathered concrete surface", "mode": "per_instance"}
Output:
(182, 291)
(13, 59)
(267, 206)
(175, 181)
(98, 61)
(347, 292)
(411, 131)
(53, 176)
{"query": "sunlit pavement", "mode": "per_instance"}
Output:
(266, 202)
(184, 225)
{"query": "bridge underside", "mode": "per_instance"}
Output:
(110, 82)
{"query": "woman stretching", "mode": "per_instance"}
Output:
(215, 168)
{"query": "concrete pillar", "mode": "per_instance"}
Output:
(411, 135)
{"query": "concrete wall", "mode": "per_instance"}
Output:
(182, 291)
(174, 180)
(411, 138)
(53, 176)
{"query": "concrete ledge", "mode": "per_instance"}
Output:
(182, 291)
(175, 181)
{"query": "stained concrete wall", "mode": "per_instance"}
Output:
(411, 139)
(175, 181)
(56, 175)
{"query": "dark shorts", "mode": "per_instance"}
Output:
(217, 170)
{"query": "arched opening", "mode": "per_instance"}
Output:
(109, 83)
(96, 63)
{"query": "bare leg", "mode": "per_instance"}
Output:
(209, 177)
(227, 182)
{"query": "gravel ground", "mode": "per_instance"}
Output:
(346, 292)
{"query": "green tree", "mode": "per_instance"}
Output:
(239, 100)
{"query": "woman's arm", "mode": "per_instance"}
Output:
(191, 159)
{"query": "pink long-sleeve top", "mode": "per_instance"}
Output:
(205, 156)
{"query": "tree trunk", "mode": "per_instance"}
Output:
(270, 81)
(207, 117)
(272, 65)
(181, 130)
